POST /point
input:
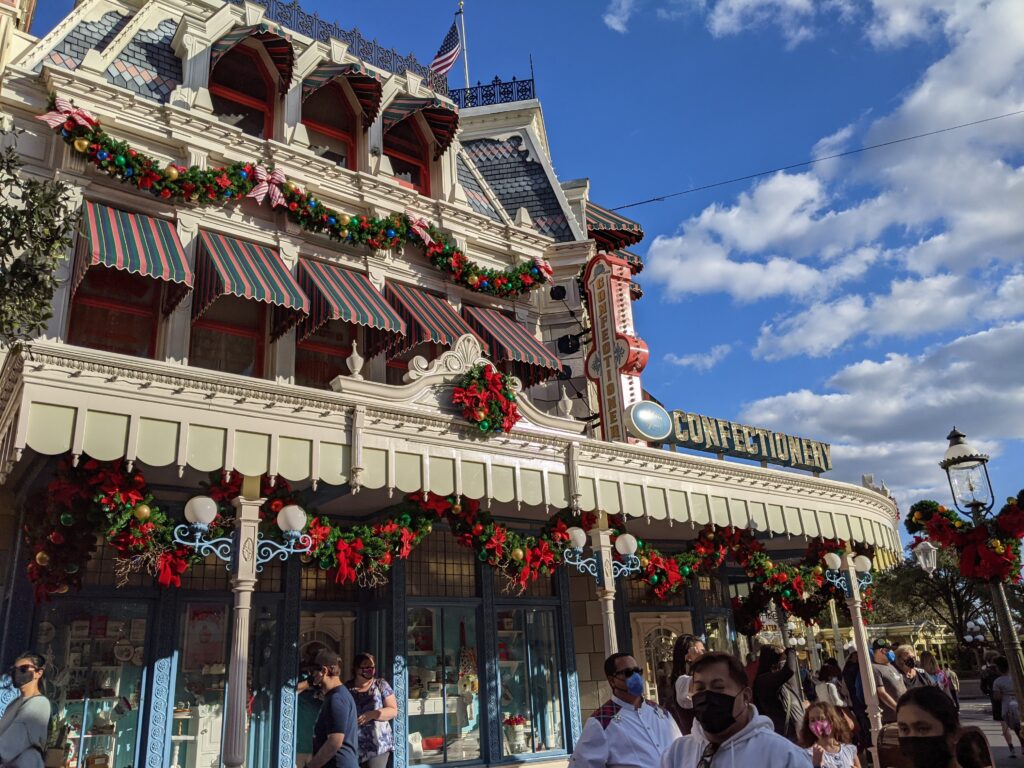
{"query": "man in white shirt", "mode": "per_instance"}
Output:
(728, 732)
(626, 731)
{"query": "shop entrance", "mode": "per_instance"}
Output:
(654, 636)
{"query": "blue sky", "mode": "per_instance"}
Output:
(871, 302)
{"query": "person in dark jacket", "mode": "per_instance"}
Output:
(851, 676)
(773, 693)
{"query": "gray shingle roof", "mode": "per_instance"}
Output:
(519, 182)
(147, 65)
(86, 35)
(478, 198)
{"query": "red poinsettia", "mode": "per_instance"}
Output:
(349, 556)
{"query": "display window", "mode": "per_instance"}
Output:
(116, 311)
(199, 689)
(95, 656)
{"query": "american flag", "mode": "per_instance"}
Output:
(449, 51)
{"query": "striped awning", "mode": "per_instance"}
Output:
(366, 85)
(513, 345)
(338, 294)
(276, 41)
(610, 230)
(442, 118)
(134, 243)
(428, 318)
(636, 264)
(226, 266)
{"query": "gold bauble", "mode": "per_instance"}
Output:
(60, 590)
(517, 554)
(816, 570)
(644, 562)
(345, 219)
(42, 559)
(142, 512)
(456, 509)
(81, 145)
(171, 173)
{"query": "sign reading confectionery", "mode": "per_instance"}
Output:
(649, 421)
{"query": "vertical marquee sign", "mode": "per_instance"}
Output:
(617, 356)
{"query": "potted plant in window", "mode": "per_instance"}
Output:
(515, 732)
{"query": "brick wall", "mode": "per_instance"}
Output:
(588, 636)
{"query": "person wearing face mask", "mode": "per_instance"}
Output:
(888, 680)
(626, 730)
(928, 728)
(688, 649)
(828, 738)
(336, 732)
(26, 721)
(728, 732)
(913, 676)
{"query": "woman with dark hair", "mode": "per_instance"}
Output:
(772, 694)
(26, 722)
(688, 649)
(928, 728)
(377, 707)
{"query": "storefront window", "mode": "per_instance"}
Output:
(95, 656)
(530, 676)
(444, 685)
(264, 660)
(199, 691)
(319, 630)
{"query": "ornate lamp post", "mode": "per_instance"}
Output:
(971, 486)
(246, 552)
(852, 573)
(606, 569)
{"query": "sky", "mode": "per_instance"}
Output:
(872, 301)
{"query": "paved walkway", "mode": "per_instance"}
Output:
(979, 712)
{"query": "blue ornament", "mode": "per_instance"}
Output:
(244, 174)
(312, 203)
(389, 232)
(331, 220)
(128, 172)
(484, 283)
(534, 271)
(102, 154)
(64, 133)
(227, 193)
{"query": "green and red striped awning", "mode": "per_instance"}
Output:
(428, 318)
(610, 230)
(513, 345)
(134, 243)
(366, 85)
(226, 266)
(275, 40)
(442, 118)
(636, 264)
(338, 294)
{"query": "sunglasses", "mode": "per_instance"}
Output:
(628, 671)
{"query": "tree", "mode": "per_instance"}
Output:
(37, 222)
(906, 594)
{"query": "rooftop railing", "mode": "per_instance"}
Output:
(497, 91)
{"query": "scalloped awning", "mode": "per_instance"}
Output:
(442, 118)
(365, 84)
(611, 231)
(275, 40)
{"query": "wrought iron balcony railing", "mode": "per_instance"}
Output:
(497, 91)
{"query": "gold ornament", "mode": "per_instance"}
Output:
(288, 186)
(517, 554)
(644, 562)
(816, 570)
(710, 536)
(60, 590)
(42, 559)
(81, 145)
(456, 508)
(171, 173)
(345, 219)
(142, 512)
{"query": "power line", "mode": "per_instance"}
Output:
(662, 198)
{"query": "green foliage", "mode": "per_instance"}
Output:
(37, 222)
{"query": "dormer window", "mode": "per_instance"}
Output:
(409, 153)
(331, 124)
(244, 92)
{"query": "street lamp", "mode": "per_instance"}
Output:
(605, 568)
(246, 552)
(852, 573)
(926, 555)
(971, 486)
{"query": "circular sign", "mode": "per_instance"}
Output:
(648, 421)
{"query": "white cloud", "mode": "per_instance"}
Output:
(793, 17)
(701, 361)
(897, 22)
(618, 14)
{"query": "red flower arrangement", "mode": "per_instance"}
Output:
(514, 720)
(487, 399)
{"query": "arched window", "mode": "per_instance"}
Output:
(409, 154)
(243, 91)
(331, 124)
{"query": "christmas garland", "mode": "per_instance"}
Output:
(989, 552)
(232, 183)
(487, 399)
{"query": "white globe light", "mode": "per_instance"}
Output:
(201, 510)
(792, 642)
(968, 638)
(790, 627)
(801, 641)
(577, 537)
(833, 562)
(862, 563)
(291, 518)
(625, 544)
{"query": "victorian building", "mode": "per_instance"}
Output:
(323, 242)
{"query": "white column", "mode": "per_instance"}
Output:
(867, 675)
(243, 581)
(601, 543)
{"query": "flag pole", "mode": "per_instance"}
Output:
(465, 48)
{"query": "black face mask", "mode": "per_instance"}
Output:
(714, 711)
(927, 751)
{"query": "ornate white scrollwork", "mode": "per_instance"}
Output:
(465, 354)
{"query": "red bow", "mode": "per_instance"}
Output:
(268, 182)
(64, 110)
(419, 226)
(170, 565)
(543, 266)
